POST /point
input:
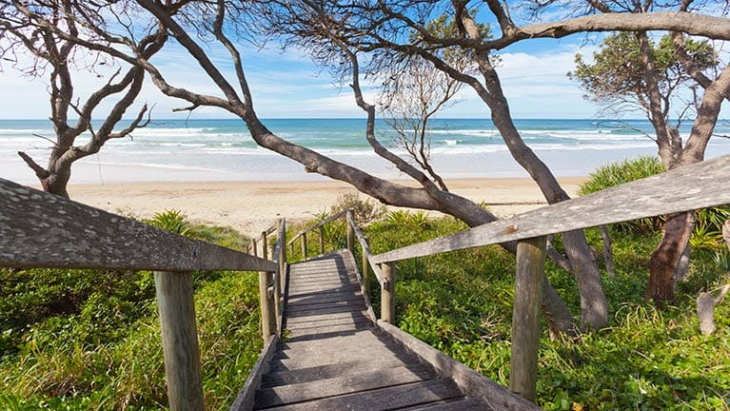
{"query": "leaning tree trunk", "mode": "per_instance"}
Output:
(55, 178)
(666, 258)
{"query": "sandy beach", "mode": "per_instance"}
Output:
(251, 207)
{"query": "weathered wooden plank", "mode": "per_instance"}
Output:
(328, 330)
(316, 293)
(335, 357)
(345, 384)
(244, 400)
(459, 404)
(308, 306)
(526, 316)
(325, 298)
(383, 399)
(329, 310)
(179, 340)
(355, 341)
(38, 229)
(353, 321)
(687, 188)
(322, 372)
(471, 383)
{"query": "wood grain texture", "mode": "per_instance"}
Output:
(245, 398)
(38, 229)
(179, 341)
(693, 187)
(473, 384)
(526, 316)
(335, 358)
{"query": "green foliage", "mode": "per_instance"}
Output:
(90, 340)
(173, 221)
(364, 211)
(617, 74)
(415, 220)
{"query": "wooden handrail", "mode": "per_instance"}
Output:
(318, 225)
(367, 253)
(688, 188)
(40, 230)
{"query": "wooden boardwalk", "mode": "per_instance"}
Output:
(336, 356)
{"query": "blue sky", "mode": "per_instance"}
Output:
(288, 85)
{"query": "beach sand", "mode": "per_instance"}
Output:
(251, 207)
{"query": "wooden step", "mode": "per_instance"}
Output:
(422, 392)
(302, 375)
(292, 361)
(349, 383)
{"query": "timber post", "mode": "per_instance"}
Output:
(179, 340)
(268, 322)
(387, 303)
(282, 265)
(350, 238)
(264, 246)
(526, 316)
(321, 240)
(304, 246)
(255, 250)
(365, 272)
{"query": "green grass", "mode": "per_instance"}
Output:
(90, 340)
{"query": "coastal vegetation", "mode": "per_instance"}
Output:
(79, 340)
(357, 42)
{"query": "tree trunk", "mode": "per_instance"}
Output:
(57, 183)
(666, 258)
(607, 250)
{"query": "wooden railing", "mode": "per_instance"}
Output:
(689, 188)
(383, 273)
(40, 230)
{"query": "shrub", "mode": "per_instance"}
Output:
(364, 211)
(615, 174)
(173, 221)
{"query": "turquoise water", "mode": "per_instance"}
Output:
(223, 149)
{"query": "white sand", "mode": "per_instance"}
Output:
(251, 207)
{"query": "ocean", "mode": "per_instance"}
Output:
(222, 150)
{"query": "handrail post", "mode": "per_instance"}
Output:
(387, 301)
(255, 250)
(264, 246)
(321, 240)
(526, 316)
(282, 262)
(304, 245)
(179, 340)
(268, 322)
(350, 237)
(365, 272)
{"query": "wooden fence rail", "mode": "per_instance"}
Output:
(41, 230)
(689, 188)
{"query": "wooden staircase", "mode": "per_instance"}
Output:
(337, 357)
